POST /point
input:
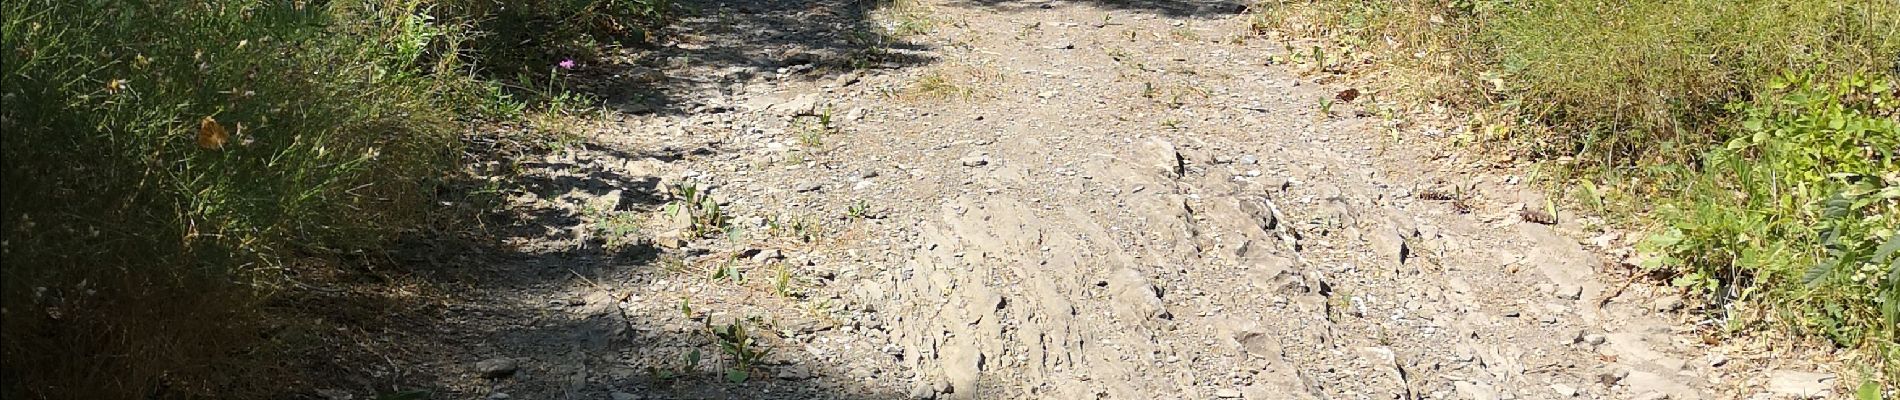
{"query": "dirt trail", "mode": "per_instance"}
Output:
(1057, 200)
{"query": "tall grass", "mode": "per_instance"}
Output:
(162, 158)
(1756, 139)
(1619, 76)
(167, 163)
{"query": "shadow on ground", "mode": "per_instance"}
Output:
(534, 283)
(1170, 8)
(725, 44)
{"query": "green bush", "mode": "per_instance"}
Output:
(170, 165)
(163, 159)
(1802, 205)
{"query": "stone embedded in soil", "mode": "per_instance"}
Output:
(1667, 303)
(1476, 390)
(975, 159)
(1651, 396)
(767, 255)
(1609, 376)
(1798, 384)
(607, 202)
(499, 367)
(1569, 291)
(1135, 297)
(670, 239)
(794, 373)
(1564, 390)
(805, 104)
(1388, 244)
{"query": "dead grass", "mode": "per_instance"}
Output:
(953, 82)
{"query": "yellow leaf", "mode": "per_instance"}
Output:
(211, 135)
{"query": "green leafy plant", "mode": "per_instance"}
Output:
(728, 270)
(858, 210)
(813, 129)
(782, 281)
(615, 229)
(741, 349)
(1799, 208)
(701, 211)
(689, 363)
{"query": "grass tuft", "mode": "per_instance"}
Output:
(169, 163)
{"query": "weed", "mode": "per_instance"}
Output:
(813, 129)
(727, 270)
(782, 281)
(938, 86)
(699, 209)
(905, 18)
(615, 229)
(858, 210)
(741, 349)
(1028, 30)
(1184, 34)
(172, 164)
(689, 363)
(803, 229)
(165, 161)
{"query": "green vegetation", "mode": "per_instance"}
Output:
(1806, 200)
(812, 129)
(1754, 140)
(698, 210)
(743, 351)
(171, 165)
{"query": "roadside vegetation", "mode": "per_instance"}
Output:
(173, 166)
(1754, 142)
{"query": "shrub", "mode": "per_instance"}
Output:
(1799, 210)
(516, 37)
(162, 159)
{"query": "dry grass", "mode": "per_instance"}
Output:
(951, 82)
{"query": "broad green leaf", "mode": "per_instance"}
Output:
(736, 375)
(1893, 243)
(1819, 272)
(1869, 389)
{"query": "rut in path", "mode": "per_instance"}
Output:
(1057, 200)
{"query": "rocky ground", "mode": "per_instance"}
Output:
(1067, 199)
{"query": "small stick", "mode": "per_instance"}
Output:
(1619, 289)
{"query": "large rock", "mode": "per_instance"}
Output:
(1135, 297)
(804, 104)
(1161, 155)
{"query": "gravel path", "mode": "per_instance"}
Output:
(1062, 200)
